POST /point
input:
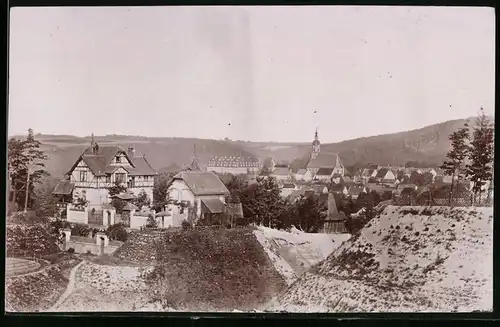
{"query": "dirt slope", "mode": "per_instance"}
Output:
(407, 259)
(205, 269)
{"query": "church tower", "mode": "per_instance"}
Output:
(315, 146)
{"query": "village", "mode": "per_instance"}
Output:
(250, 159)
(84, 196)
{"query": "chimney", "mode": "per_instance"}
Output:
(131, 151)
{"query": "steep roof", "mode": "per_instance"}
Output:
(99, 163)
(323, 160)
(337, 187)
(142, 167)
(324, 171)
(382, 172)
(195, 165)
(203, 182)
(356, 190)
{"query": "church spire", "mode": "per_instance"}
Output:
(195, 164)
(315, 145)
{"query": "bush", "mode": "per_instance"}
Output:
(71, 250)
(117, 232)
(186, 225)
(57, 225)
(151, 222)
(80, 230)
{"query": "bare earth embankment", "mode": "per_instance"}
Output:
(195, 270)
(407, 259)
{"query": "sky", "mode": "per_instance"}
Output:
(248, 73)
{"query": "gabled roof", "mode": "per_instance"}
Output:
(324, 171)
(99, 163)
(203, 182)
(129, 207)
(356, 190)
(381, 173)
(64, 187)
(142, 167)
(337, 187)
(323, 160)
(281, 171)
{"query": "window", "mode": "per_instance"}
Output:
(83, 176)
(118, 159)
(108, 179)
(120, 177)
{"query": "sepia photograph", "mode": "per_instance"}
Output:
(250, 159)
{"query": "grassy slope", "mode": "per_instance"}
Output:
(206, 269)
(428, 144)
(405, 260)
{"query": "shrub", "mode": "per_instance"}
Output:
(117, 232)
(71, 250)
(151, 222)
(186, 225)
(80, 230)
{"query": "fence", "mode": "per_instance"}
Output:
(455, 202)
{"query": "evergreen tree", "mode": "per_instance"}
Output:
(25, 158)
(479, 168)
(454, 166)
(161, 195)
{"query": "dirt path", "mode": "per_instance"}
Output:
(69, 289)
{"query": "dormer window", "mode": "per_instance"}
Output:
(118, 159)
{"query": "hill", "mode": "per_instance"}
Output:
(428, 144)
(407, 259)
(205, 269)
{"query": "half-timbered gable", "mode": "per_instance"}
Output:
(101, 167)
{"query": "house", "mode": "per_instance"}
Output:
(335, 222)
(319, 189)
(101, 167)
(281, 173)
(342, 180)
(287, 189)
(303, 175)
(320, 159)
(296, 195)
(386, 176)
(401, 187)
(201, 189)
(235, 165)
(324, 174)
(339, 188)
(355, 191)
(380, 189)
